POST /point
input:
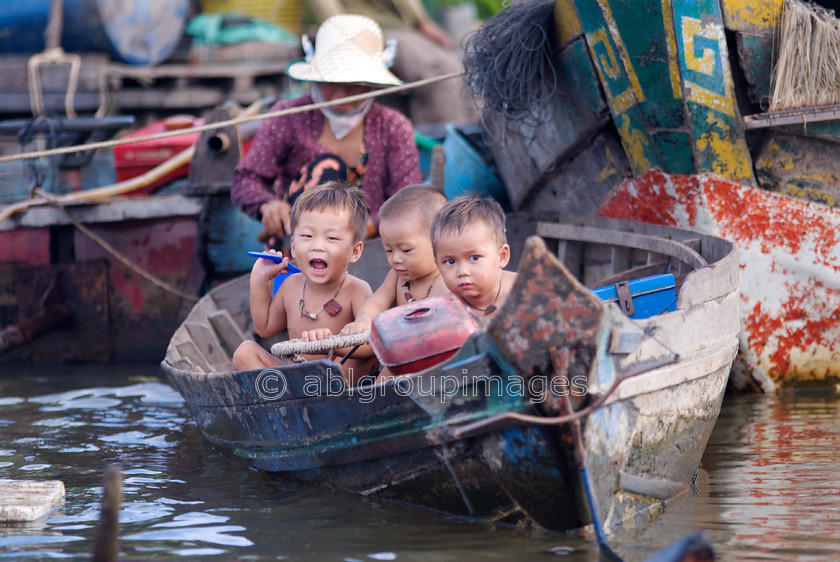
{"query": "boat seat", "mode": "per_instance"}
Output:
(227, 330)
(207, 344)
(189, 353)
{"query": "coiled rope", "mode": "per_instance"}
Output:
(296, 347)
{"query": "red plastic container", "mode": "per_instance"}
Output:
(418, 335)
(132, 160)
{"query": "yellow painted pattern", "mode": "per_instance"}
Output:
(622, 50)
(609, 170)
(751, 15)
(773, 158)
(704, 97)
(634, 142)
(705, 64)
(607, 66)
(692, 27)
(566, 22)
(671, 43)
(732, 159)
(808, 193)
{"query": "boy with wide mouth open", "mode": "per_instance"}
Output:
(328, 225)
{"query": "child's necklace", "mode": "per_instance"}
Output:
(492, 307)
(331, 307)
(408, 296)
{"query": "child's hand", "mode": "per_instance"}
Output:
(267, 269)
(316, 334)
(354, 328)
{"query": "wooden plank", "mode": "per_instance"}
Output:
(632, 240)
(637, 272)
(756, 56)
(597, 263)
(621, 84)
(206, 343)
(120, 210)
(752, 15)
(530, 155)
(188, 352)
(229, 333)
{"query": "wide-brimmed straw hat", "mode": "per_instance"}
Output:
(348, 50)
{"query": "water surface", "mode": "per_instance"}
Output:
(766, 489)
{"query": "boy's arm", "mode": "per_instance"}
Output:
(267, 312)
(381, 300)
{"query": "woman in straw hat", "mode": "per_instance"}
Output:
(369, 143)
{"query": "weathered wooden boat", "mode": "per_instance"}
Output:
(659, 114)
(101, 273)
(563, 413)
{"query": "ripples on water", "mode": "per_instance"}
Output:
(767, 488)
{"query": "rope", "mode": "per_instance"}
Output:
(296, 347)
(114, 252)
(235, 121)
(33, 78)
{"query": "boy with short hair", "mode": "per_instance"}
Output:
(405, 220)
(328, 225)
(471, 250)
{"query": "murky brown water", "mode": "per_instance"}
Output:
(767, 488)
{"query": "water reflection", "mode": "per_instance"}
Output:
(765, 489)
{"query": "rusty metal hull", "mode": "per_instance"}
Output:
(490, 432)
(790, 261)
(117, 314)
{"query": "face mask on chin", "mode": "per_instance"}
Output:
(341, 123)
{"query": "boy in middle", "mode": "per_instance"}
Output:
(328, 225)
(405, 221)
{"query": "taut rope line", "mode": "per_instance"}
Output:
(234, 121)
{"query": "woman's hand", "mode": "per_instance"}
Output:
(276, 217)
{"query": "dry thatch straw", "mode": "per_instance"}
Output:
(808, 69)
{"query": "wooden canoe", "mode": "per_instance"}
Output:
(563, 413)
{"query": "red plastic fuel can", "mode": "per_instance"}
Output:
(418, 335)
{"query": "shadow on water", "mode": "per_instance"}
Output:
(766, 487)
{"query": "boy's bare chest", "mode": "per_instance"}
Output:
(298, 324)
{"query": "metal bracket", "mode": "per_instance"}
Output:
(625, 300)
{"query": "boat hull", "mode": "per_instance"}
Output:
(486, 434)
(118, 314)
(650, 125)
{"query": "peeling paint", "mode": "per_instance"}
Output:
(634, 141)
(566, 21)
(790, 263)
(752, 15)
(671, 43)
(731, 158)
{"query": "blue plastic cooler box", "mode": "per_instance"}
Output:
(649, 295)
